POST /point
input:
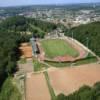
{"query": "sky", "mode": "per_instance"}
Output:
(35, 2)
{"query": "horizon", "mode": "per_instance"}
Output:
(15, 3)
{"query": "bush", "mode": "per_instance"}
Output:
(84, 93)
(9, 91)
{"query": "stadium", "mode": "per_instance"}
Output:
(60, 50)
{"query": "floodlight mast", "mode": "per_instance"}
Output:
(72, 35)
(87, 39)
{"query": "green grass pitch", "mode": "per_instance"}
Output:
(58, 47)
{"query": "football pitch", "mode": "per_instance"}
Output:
(58, 47)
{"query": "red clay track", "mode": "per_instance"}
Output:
(64, 58)
(82, 53)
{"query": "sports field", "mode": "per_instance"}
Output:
(58, 47)
(36, 87)
(47, 85)
(68, 80)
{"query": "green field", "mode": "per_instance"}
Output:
(38, 66)
(58, 47)
(53, 96)
(10, 91)
(75, 63)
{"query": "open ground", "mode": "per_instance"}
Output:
(62, 80)
(36, 87)
(68, 80)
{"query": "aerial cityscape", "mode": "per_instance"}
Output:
(50, 50)
(74, 14)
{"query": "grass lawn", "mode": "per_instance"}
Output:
(58, 47)
(36, 28)
(76, 63)
(86, 61)
(39, 66)
(59, 64)
(10, 91)
(53, 96)
(22, 61)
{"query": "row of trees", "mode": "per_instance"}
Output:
(8, 53)
(84, 93)
(17, 23)
(87, 33)
(43, 25)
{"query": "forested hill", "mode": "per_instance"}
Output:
(11, 36)
(88, 34)
(22, 24)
